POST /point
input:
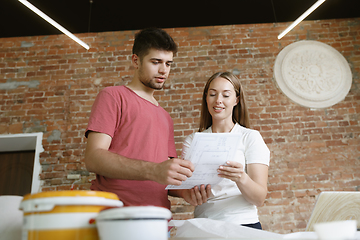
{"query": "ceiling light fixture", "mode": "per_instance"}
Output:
(304, 15)
(55, 24)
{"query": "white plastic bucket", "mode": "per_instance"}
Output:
(133, 223)
(60, 215)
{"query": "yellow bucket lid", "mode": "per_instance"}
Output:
(46, 201)
(71, 193)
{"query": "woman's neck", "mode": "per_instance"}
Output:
(222, 127)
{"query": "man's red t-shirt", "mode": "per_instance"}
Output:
(139, 130)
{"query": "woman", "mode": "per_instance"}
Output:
(244, 184)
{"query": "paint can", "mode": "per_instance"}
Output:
(134, 222)
(59, 215)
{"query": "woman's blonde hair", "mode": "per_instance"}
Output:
(240, 112)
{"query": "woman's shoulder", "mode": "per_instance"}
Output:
(247, 133)
(190, 137)
(241, 129)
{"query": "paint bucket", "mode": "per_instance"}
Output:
(135, 223)
(59, 215)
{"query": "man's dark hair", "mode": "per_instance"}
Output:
(153, 38)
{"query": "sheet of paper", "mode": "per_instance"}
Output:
(207, 152)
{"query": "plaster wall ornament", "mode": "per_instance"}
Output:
(312, 74)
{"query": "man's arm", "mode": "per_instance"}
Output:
(103, 162)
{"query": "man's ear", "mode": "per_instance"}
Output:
(135, 60)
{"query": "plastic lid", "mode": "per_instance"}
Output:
(72, 193)
(46, 201)
(134, 212)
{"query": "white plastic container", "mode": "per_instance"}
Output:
(339, 230)
(135, 223)
(61, 215)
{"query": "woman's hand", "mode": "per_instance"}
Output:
(252, 185)
(196, 196)
(232, 170)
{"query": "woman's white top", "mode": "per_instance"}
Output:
(228, 204)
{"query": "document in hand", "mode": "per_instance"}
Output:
(207, 152)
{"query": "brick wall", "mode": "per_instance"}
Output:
(48, 84)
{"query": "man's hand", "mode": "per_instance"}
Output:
(173, 171)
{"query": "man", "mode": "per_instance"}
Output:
(130, 143)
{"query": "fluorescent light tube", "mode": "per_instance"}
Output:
(55, 24)
(304, 15)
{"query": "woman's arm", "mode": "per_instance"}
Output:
(253, 184)
(194, 196)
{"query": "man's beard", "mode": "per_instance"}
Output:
(150, 83)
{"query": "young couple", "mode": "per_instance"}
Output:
(130, 141)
